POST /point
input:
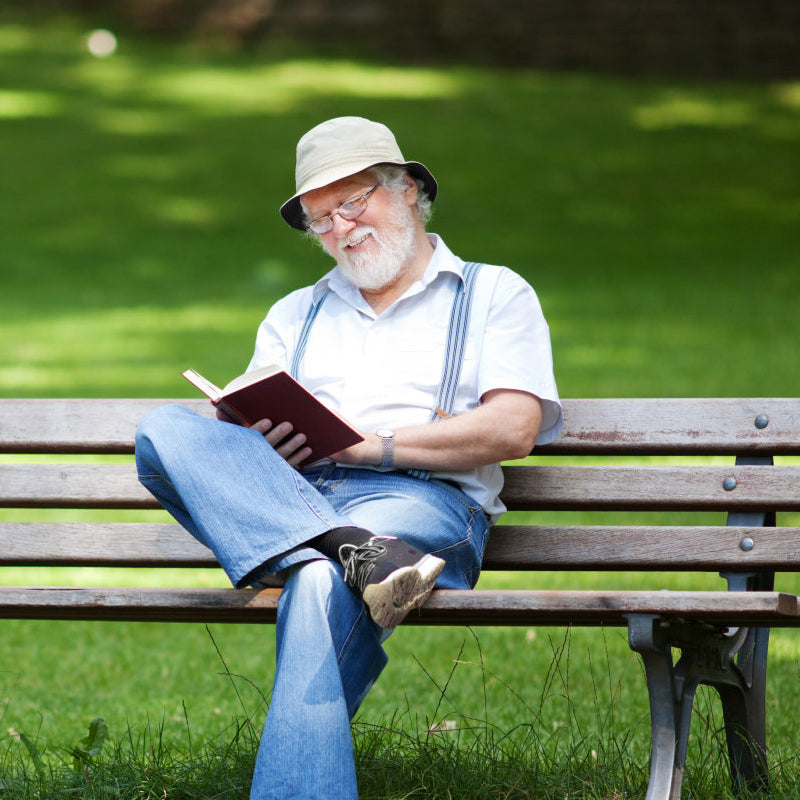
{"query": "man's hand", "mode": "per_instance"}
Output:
(287, 445)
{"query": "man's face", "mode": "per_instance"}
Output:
(373, 249)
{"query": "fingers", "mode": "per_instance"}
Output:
(222, 415)
(290, 447)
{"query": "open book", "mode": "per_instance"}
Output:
(271, 393)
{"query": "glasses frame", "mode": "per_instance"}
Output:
(358, 205)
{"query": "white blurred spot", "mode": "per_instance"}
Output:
(101, 43)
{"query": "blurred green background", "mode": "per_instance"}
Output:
(659, 220)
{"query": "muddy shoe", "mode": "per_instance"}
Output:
(391, 576)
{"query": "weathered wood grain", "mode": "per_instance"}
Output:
(700, 487)
(674, 426)
(566, 607)
(77, 425)
(530, 487)
(444, 607)
(72, 486)
(674, 548)
(98, 544)
(593, 426)
(510, 548)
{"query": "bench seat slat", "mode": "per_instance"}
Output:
(652, 426)
(560, 607)
(444, 607)
(537, 488)
(511, 547)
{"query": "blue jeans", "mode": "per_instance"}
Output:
(234, 493)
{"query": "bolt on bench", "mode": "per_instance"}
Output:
(721, 636)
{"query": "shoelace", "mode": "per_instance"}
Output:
(359, 561)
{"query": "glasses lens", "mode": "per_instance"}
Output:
(321, 225)
(353, 208)
(349, 210)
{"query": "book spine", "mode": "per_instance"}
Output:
(232, 413)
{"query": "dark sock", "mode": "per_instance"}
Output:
(329, 542)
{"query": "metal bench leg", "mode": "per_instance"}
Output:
(707, 656)
(746, 743)
(666, 709)
(712, 660)
(744, 709)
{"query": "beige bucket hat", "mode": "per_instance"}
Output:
(340, 147)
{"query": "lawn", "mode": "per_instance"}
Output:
(658, 220)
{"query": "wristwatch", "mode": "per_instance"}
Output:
(387, 446)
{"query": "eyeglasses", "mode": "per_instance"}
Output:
(348, 210)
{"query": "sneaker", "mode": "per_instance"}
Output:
(391, 576)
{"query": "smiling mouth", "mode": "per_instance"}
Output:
(354, 242)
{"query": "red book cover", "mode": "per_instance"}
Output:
(271, 393)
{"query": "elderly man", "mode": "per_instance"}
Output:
(445, 368)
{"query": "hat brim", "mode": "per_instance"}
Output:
(292, 210)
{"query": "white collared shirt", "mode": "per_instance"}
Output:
(384, 371)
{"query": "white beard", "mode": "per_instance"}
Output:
(397, 246)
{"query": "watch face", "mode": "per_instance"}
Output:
(384, 433)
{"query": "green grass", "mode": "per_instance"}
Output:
(659, 222)
(577, 730)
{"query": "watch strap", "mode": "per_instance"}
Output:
(387, 448)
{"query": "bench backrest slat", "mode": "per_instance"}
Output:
(652, 487)
(675, 426)
(511, 547)
(122, 544)
(655, 426)
(534, 487)
(72, 486)
(680, 548)
(77, 425)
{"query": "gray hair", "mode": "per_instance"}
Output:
(396, 178)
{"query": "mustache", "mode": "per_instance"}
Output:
(356, 236)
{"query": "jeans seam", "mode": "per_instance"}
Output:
(351, 633)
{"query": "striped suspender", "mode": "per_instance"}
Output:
(456, 341)
(302, 341)
(454, 348)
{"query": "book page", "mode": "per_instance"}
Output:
(203, 384)
(249, 378)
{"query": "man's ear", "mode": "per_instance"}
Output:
(411, 191)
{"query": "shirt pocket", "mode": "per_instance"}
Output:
(418, 358)
(419, 361)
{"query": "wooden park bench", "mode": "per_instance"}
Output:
(721, 636)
